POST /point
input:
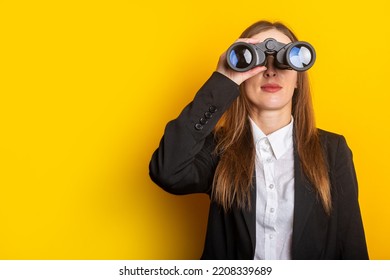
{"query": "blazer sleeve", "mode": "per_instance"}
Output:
(351, 232)
(184, 162)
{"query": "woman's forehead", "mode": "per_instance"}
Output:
(272, 33)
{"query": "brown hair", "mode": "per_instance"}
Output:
(234, 173)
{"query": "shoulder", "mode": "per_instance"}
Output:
(335, 146)
(330, 139)
(328, 135)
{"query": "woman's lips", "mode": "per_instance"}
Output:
(271, 87)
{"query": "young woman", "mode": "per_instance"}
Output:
(279, 187)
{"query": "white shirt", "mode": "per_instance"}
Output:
(274, 192)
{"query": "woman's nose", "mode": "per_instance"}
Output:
(271, 71)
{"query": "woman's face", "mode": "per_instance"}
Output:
(273, 89)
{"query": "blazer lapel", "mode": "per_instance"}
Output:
(250, 216)
(304, 199)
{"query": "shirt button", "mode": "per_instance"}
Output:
(268, 160)
(271, 236)
(271, 186)
(272, 210)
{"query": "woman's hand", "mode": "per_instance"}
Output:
(238, 77)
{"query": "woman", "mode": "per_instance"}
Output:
(279, 187)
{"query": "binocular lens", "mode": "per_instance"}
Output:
(240, 57)
(300, 57)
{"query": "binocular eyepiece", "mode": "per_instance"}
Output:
(298, 56)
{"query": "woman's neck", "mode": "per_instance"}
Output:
(270, 121)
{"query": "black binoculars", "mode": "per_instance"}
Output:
(298, 56)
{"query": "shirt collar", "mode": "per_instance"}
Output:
(281, 140)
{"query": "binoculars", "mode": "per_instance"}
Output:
(298, 56)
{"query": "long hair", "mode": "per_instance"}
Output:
(233, 177)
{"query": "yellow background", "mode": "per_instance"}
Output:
(88, 86)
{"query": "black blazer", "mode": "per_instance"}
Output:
(184, 163)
